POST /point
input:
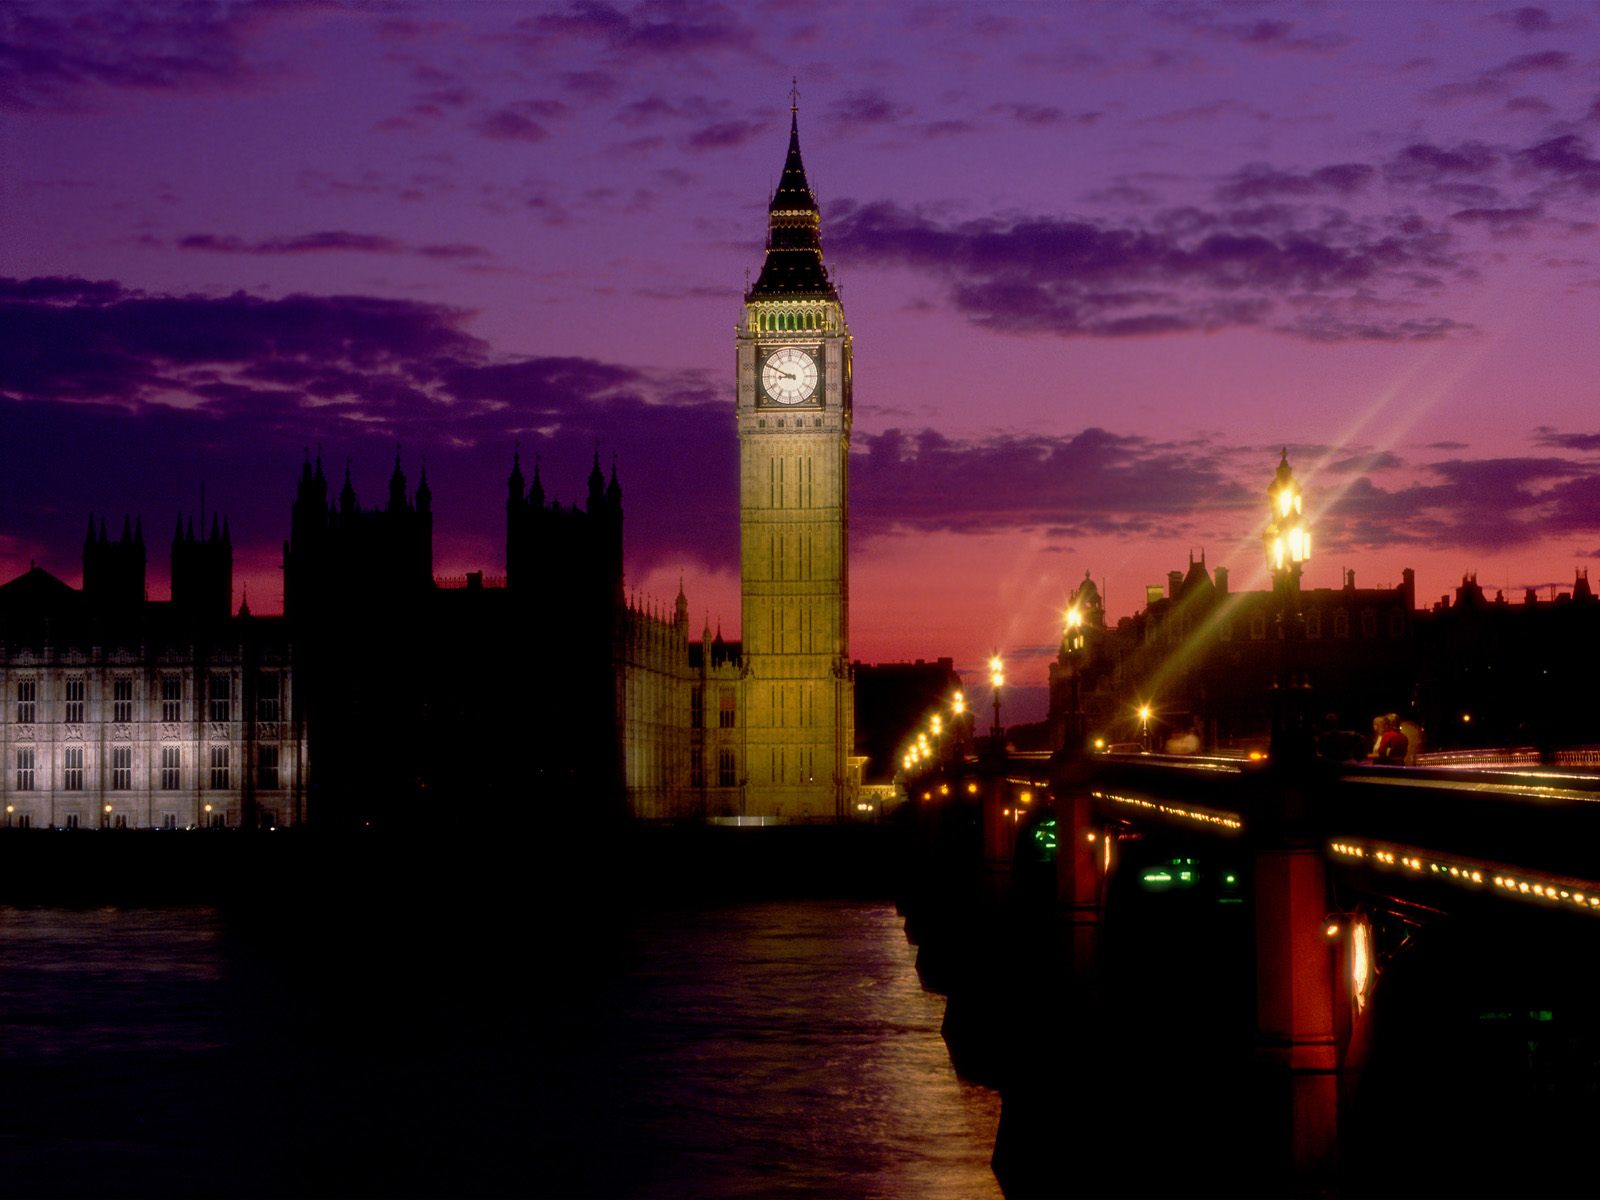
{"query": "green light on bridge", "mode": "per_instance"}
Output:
(1044, 834)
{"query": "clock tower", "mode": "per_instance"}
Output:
(793, 368)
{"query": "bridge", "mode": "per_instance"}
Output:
(1283, 898)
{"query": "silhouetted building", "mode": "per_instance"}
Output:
(1472, 671)
(1494, 672)
(1205, 659)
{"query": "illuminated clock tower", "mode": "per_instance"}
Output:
(793, 351)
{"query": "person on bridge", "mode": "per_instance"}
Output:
(1389, 744)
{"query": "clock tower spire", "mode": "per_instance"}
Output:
(793, 409)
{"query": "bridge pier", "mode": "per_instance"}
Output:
(1298, 1031)
(1079, 877)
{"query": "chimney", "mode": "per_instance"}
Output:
(1221, 576)
(1350, 580)
(1174, 582)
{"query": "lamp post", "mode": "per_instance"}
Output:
(997, 677)
(1144, 728)
(1288, 546)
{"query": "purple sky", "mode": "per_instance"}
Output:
(1101, 262)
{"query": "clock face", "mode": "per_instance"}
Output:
(789, 376)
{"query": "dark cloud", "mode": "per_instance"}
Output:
(327, 241)
(1424, 162)
(1530, 104)
(723, 135)
(1043, 114)
(1501, 220)
(1209, 111)
(1566, 160)
(944, 128)
(1186, 269)
(1498, 80)
(591, 84)
(1478, 504)
(120, 400)
(1093, 482)
(1586, 442)
(865, 106)
(510, 125)
(1527, 19)
(655, 28)
(1543, 60)
(1272, 33)
(66, 57)
(1378, 460)
(1260, 181)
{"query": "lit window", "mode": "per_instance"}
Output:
(220, 707)
(268, 696)
(267, 767)
(122, 700)
(72, 769)
(219, 767)
(121, 768)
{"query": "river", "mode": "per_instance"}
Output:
(400, 1048)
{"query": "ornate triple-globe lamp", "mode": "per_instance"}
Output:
(1288, 545)
(1288, 539)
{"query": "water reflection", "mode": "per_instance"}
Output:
(789, 1049)
(412, 1049)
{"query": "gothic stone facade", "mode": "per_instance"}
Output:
(119, 713)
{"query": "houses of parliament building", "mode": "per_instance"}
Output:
(541, 696)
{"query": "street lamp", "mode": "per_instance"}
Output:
(1288, 540)
(1144, 727)
(1288, 547)
(997, 677)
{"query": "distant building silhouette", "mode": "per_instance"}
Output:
(1470, 671)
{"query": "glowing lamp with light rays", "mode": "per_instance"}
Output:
(1288, 540)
